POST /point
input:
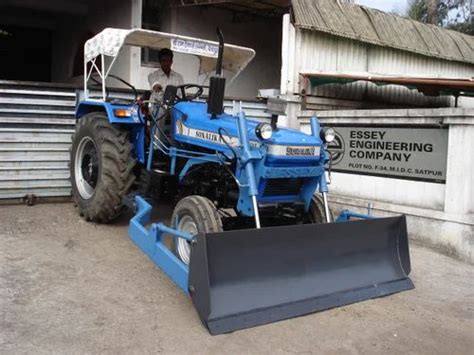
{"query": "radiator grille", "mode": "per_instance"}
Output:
(283, 187)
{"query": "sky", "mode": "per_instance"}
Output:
(385, 5)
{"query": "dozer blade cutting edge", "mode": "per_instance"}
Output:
(243, 278)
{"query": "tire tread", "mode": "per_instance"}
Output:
(117, 166)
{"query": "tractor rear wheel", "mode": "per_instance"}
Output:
(193, 214)
(101, 167)
(316, 212)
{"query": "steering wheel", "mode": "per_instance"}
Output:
(191, 97)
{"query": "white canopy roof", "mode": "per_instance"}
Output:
(111, 40)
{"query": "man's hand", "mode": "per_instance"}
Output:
(157, 87)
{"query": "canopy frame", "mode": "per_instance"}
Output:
(110, 41)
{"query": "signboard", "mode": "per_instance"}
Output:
(405, 153)
(191, 46)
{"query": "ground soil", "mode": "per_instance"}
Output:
(68, 286)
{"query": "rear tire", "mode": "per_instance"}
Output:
(193, 214)
(101, 167)
(316, 212)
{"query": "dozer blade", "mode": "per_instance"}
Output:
(243, 278)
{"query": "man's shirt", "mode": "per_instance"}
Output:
(159, 77)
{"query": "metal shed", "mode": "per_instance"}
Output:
(330, 36)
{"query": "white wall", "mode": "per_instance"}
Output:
(460, 192)
(71, 31)
(263, 35)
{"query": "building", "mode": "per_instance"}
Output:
(43, 41)
(306, 51)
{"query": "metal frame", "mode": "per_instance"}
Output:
(147, 38)
(104, 73)
(150, 241)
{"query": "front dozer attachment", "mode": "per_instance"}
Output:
(242, 278)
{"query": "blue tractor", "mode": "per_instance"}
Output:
(252, 238)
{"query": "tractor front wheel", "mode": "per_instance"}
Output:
(316, 212)
(101, 167)
(193, 214)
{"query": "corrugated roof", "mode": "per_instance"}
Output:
(376, 27)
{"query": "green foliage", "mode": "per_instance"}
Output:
(452, 14)
(465, 27)
(417, 10)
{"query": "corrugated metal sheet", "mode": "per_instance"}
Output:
(253, 109)
(36, 125)
(376, 27)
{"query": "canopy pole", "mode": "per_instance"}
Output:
(102, 75)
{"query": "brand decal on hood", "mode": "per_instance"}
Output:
(294, 151)
(213, 137)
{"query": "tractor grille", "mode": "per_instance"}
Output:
(283, 187)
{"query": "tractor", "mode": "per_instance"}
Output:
(253, 239)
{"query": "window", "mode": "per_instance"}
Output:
(149, 56)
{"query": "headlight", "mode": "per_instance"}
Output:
(328, 134)
(264, 131)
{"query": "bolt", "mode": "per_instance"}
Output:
(191, 289)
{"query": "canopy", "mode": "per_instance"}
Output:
(111, 40)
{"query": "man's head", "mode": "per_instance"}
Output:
(165, 57)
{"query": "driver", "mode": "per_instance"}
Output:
(164, 75)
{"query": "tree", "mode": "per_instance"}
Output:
(453, 14)
(432, 7)
(417, 10)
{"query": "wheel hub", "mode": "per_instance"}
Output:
(188, 225)
(86, 167)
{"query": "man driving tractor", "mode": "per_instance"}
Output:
(164, 75)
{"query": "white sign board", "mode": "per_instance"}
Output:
(399, 152)
(194, 47)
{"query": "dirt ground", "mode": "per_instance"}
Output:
(68, 286)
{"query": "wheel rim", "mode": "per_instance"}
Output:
(188, 225)
(86, 168)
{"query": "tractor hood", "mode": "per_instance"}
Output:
(194, 125)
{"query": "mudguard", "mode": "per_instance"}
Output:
(87, 106)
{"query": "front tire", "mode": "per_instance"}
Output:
(316, 212)
(193, 214)
(101, 167)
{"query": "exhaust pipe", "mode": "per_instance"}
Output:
(215, 101)
(220, 36)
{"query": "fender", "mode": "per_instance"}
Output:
(135, 120)
(87, 106)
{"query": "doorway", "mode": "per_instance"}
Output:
(25, 54)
